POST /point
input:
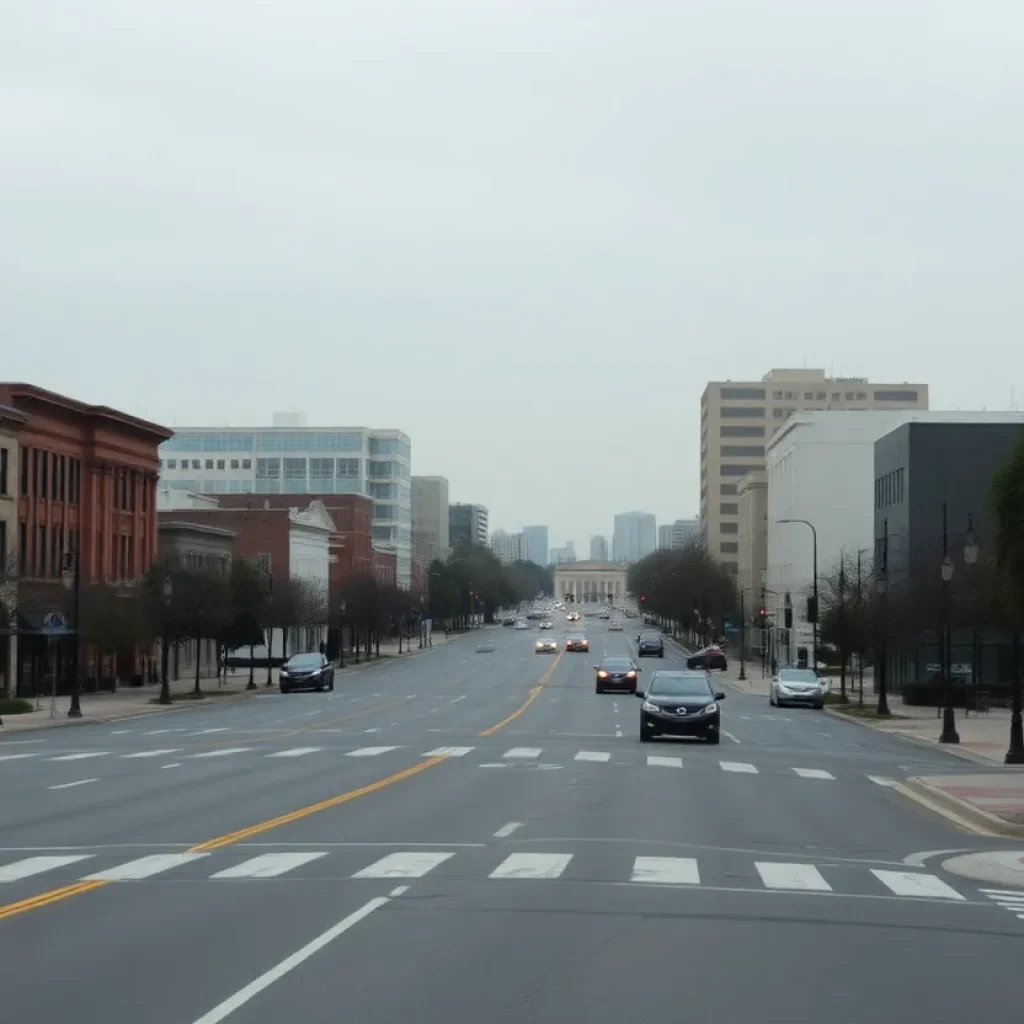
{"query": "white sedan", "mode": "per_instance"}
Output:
(792, 686)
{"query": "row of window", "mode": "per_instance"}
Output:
(51, 476)
(4, 460)
(890, 488)
(727, 430)
(322, 441)
(745, 450)
(41, 549)
(729, 547)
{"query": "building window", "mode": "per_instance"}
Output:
(728, 508)
(268, 469)
(862, 396)
(729, 547)
(738, 394)
(348, 467)
(751, 412)
(234, 463)
(747, 450)
(172, 463)
(778, 413)
(820, 396)
(895, 396)
(738, 470)
(208, 463)
(848, 396)
(777, 396)
(729, 431)
(41, 551)
(22, 547)
(44, 475)
(732, 568)
(196, 464)
(220, 463)
(4, 566)
(74, 481)
(726, 489)
(4, 457)
(246, 463)
(295, 469)
(730, 528)
(321, 469)
(808, 396)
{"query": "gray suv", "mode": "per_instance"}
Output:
(650, 644)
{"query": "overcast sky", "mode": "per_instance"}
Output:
(526, 233)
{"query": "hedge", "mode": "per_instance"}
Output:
(933, 695)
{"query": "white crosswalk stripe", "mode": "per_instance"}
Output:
(37, 865)
(914, 883)
(666, 870)
(226, 752)
(881, 780)
(657, 761)
(532, 865)
(449, 752)
(791, 876)
(296, 752)
(143, 867)
(269, 865)
(150, 753)
(814, 773)
(406, 864)
(1012, 900)
(84, 755)
(592, 755)
(17, 757)
(522, 752)
(369, 751)
(738, 766)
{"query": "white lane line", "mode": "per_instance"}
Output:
(155, 732)
(910, 883)
(738, 766)
(173, 764)
(144, 867)
(296, 752)
(814, 773)
(405, 864)
(592, 755)
(369, 751)
(206, 732)
(881, 780)
(791, 876)
(746, 718)
(532, 865)
(506, 830)
(398, 890)
(71, 785)
(729, 735)
(150, 753)
(80, 757)
(224, 1010)
(269, 865)
(655, 761)
(374, 729)
(120, 732)
(522, 752)
(226, 752)
(16, 757)
(449, 752)
(666, 870)
(457, 699)
(37, 865)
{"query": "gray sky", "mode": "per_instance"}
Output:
(525, 233)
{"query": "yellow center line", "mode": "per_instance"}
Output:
(534, 692)
(64, 892)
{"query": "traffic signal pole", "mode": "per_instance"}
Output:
(743, 641)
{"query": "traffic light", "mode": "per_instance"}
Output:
(788, 616)
(812, 609)
(643, 599)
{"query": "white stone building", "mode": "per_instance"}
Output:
(591, 581)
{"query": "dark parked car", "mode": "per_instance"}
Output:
(709, 658)
(306, 672)
(616, 674)
(650, 644)
(680, 704)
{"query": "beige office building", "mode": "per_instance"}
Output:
(737, 419)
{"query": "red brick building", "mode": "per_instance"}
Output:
(87, 483)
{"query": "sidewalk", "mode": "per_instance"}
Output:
(132, 701)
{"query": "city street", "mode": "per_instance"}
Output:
(464, 836)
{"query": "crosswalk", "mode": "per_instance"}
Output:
(522, 756)
(496, 865)
(1008, 899)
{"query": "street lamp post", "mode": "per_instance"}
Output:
(165, 686)
(71, 577)
(949, 733)
(881, 655)
(971, 559)
(1015, 752)
(743, 640)
(814, 569)
(341, 635)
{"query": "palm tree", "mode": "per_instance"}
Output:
(1007, 501)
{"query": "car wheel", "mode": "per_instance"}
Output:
(285, 689)
(771, 697)
(597, 689)
(661, 654)
(646, 735)
(330, 685)
(819, 707)
(712, 737)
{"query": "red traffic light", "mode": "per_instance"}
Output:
(643, 599)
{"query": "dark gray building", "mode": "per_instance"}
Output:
(923, 470)
(467, 523)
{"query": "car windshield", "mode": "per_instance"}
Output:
(797, 675)
(577, 636)
(679, 685)
(617, 665)
(301, 662)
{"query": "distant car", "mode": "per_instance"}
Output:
(572, 617)
(709, 658)
(508, 622)
(522, 624)
(306, 672)
(797, 686)
(577, 642)
(546, 647)
(546, 625)
(615, 627)
(616, 674)
(650, 644)
(604, 615)
(680, 704)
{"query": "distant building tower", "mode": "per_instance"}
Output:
(536, 544)
(598, 548)
(565, 555)
(467, 524)
(508, 547)
(636, 536)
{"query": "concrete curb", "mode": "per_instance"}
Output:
(961, 812)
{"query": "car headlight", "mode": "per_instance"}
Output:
(648, 706)
(710, 709)
(631, 675)
(602, 674)
(283, 672)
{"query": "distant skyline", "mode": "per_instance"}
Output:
(526, 236)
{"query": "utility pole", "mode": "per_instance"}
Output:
(743, 640)
(842, 627)
(860, 644)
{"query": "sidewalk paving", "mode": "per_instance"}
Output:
(129, 702)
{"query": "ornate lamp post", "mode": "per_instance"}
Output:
(72, 580)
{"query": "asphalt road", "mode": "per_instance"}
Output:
(465, 836)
